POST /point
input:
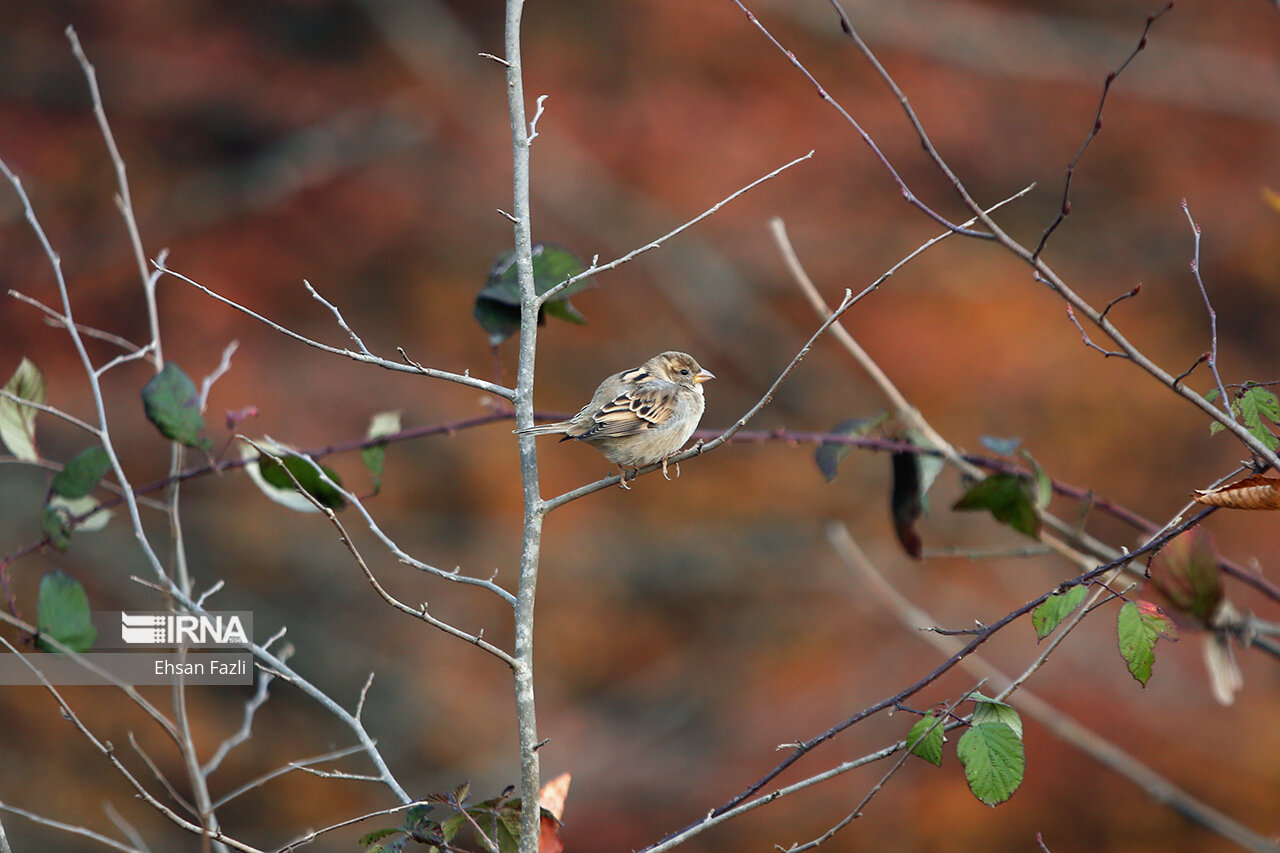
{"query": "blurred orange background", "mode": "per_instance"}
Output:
(684, 629)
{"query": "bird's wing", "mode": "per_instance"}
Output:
(643, 407)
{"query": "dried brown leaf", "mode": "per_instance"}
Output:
(1256, 492)
(551, 799)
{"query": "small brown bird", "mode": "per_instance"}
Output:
(640, 416)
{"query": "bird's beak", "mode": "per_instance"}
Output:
(703, 375)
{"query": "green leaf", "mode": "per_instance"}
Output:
(1007, 498)
(993, 759)
(55, 525)
(986, 709)
(85, 509)
(498, 304)
(1256, 403)
(1049, 615)
(1040, 477)
(1138, 627)
(450, 826)
(927, 746)
(1251, 405)
(508, 831)
(63, 613)
(830, 454)
(417, 815)
(172, 403)
(80, 476)
(376, 835)
(18, 422)
(276, 475)
(374, 456)
(930, 465)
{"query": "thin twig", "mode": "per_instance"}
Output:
(71, 828)
(698, 449)
(909, 415)
(1043, 272)
(1213, 315)
(281, 771)
(1088, 341)
(879, 785)
(460, 378)
(278, 665)
(537, 114)
(333, 309)
(124, 199)
(109, 753)
(596, 268)
(1062, 726)
(416, 612)
(161, 778)
(53, 318)
(50, 410)
(866, 137)
(242, 734)
(802, 748)
(1065, 208)
(206, 385)
(129, 830)
(308, 837)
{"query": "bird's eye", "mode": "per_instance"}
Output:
(684, 371)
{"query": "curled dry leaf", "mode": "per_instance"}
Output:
(551, 799)
(1256, 492)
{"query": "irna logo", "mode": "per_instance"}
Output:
(171, 629)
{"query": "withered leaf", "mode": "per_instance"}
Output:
(1256, 492)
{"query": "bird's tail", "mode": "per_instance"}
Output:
(543, 429)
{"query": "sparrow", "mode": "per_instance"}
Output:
(640, 416)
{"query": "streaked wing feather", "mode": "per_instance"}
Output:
(641, 409)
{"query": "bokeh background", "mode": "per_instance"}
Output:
(684, 629)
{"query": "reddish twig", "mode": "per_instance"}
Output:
(1065, 208)
(866, 137)
(802, 748)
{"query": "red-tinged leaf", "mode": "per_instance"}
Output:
(1256, 492)
(1186, 572)
(549, 841)
(552, 799)
(1138, 627)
